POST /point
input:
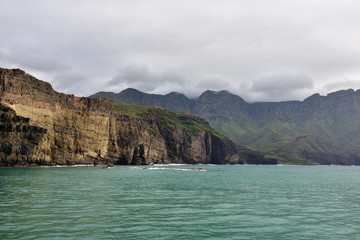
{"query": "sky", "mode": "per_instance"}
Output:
(261, 50)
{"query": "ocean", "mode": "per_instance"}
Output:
(180, 202)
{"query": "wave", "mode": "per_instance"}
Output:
(171, 164)
(177, 169)
(67, 166)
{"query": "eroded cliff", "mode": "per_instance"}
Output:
(39, 126)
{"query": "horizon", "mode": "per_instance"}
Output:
(189, 97)
(218, 91)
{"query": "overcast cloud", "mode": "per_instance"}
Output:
(263, 50)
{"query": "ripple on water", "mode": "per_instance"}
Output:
(238, 202)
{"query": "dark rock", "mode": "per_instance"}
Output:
(39, 126)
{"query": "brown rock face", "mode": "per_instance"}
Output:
(39, 126)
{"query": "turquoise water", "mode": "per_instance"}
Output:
(173, 202)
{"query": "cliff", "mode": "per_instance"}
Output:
(39, 126)
(274, 127)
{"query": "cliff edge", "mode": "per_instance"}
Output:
(39, 126)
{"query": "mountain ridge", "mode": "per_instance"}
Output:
(270, 126)
(39, 126)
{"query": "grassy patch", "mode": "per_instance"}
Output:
(166, 118)
(285, 159)
(135, 111)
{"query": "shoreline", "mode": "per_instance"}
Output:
(160, 165)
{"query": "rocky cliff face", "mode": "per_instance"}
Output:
(271, 127)
(39, 126)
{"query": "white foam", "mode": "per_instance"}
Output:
(170, 164)
(136, 168)
(177, 169)
(84, 165)
(75, 165)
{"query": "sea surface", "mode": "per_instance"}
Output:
(180, 202)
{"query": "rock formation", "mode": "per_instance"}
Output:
(274, 128)
(39, 126)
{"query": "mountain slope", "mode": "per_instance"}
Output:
(320, 151)
(39, 126)
(172, 101)
(270, 126)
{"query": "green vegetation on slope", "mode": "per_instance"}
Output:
(167, 118)
(270, 127)
(268, 138)
(319, 150)
(136, 111)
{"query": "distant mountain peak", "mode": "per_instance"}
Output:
(222, 99)
(341, 93)
(175, 94)
(131, 90)
(313, 97)
(221, 92)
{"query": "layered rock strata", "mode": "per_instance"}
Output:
(39, 126)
